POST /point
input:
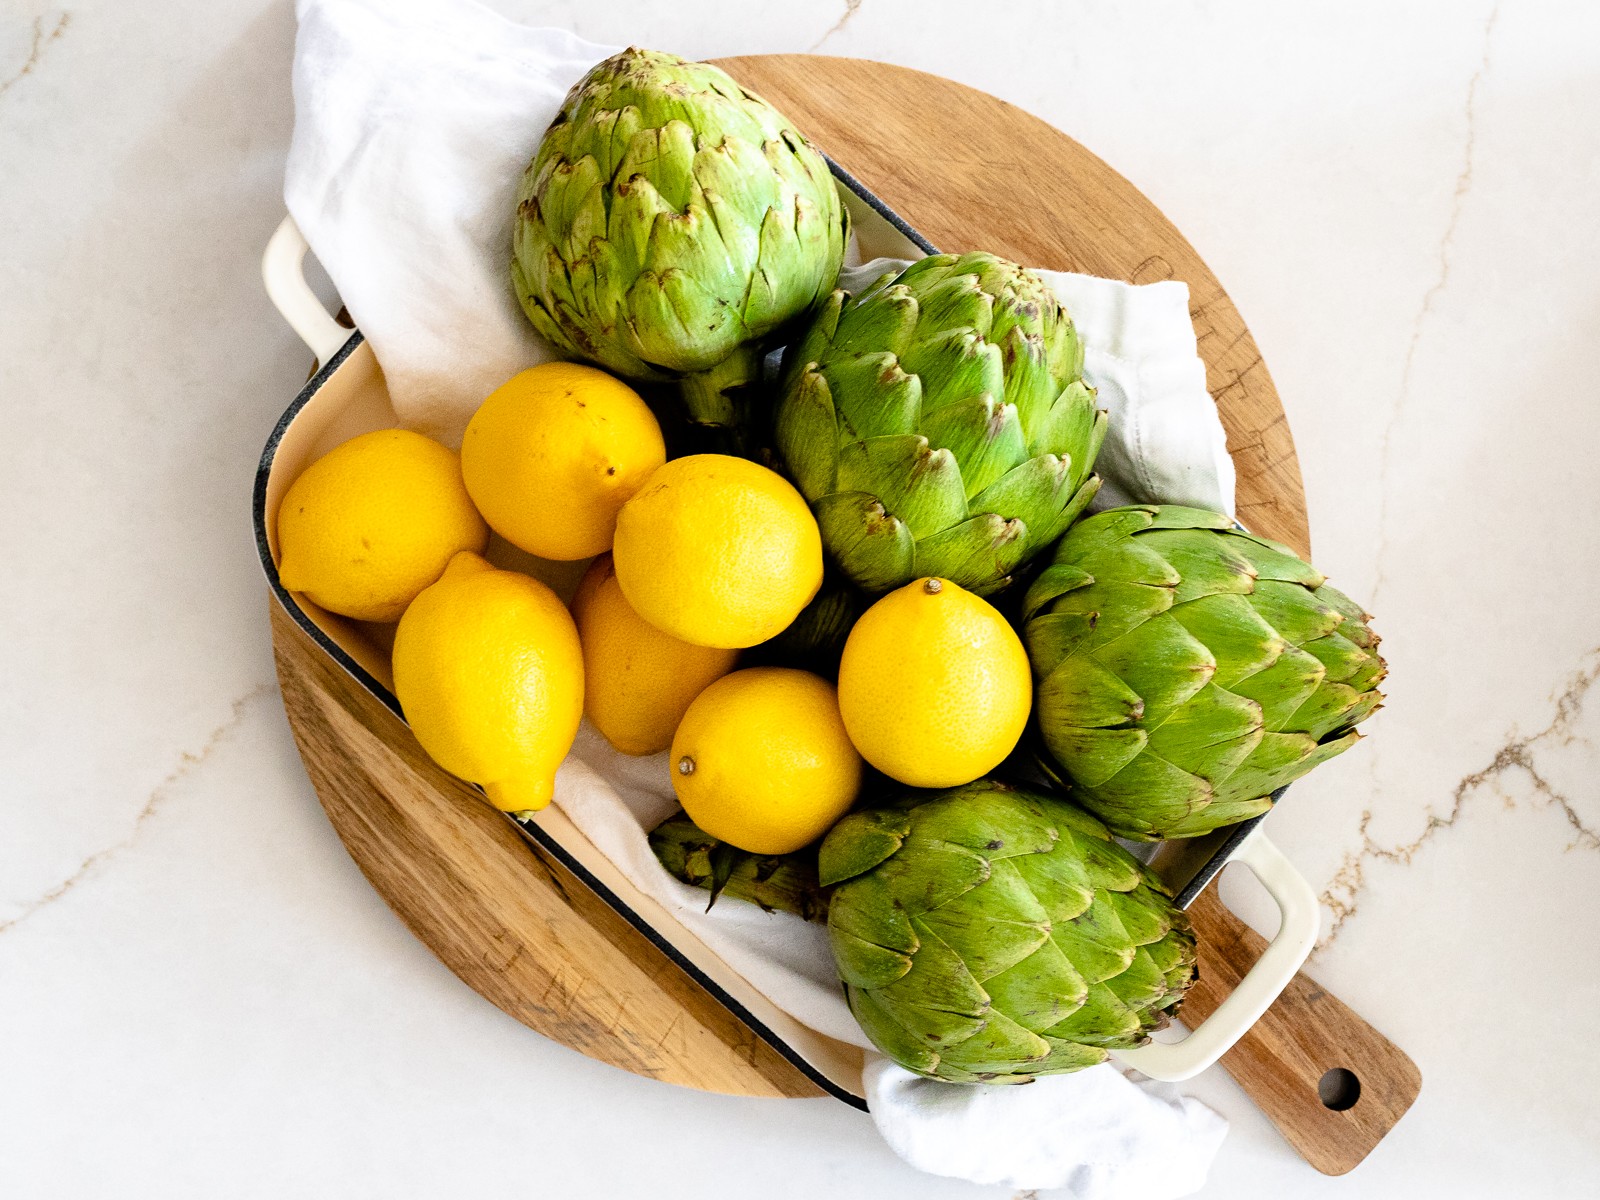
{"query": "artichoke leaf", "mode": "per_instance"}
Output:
(1039, 991)
(956, 302)
(1273, 560)
(1229, 626)
(984, 436)
(803, 356)
(632, 218)
(955, 367)
(860, 841)
(1355, 617)
(918, 484)
(1294, 612)
(978, 553)
(886, 325)
(865, 964)
(1083, 693)
(1030, 385)
(1206, 564)
(1341, 658)
(991, 927)
(991, 819)
(1328, 709)
(881, 400)
(1091, 756)
(1108, 867)
(1074, 418)
(1210, 735)
(1108, 610)
(1001, 1047)
(665, 156)
(1149, 794)
(938, 999)
(872, 545)
(1055, 580)
(1141, 914)
(1180, 516)
(866, 908)
(672, 321)
(1283, 686)
(889, 1035)
(1161, 661)
(1217, 814)
(1141, 984)
(1068, 1056)
(934, 875)
(1101, 1020)
(805, 436)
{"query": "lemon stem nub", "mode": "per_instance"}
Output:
(686, 765)
(520, 795)
(932, 586)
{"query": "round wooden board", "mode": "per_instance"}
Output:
(968, 171)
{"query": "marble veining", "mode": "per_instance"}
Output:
(1342, 897)
(188, 760)
(851, 7)
(40, 42)
(1446, 245)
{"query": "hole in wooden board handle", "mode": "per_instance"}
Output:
(1339, 1089)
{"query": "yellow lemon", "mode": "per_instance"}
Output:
(552, 455)
(762, 761)
(934, 685)
(637, 681)
(489, 674)
(718, 551)
(373, 522)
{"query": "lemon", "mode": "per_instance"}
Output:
(637, 681)
(934, 685)
(373, 522)
(489, 674)
(718, 551)
(761, 760)
(552, 455)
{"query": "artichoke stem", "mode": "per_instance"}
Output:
(706, 393)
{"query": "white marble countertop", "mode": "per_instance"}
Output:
(199, 994)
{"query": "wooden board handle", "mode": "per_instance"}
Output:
(1331, 1083)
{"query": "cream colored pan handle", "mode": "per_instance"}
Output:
(283, 271)
(1297, 932)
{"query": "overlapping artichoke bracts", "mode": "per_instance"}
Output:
(939, 423)
(989, 935)
(669, 222)
(777, 883)
(1187, 670)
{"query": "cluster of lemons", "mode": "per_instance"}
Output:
(695, 559)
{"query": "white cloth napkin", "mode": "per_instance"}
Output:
(413, 122)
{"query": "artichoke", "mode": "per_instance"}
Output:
(1187, 669)
(815, 640)
(989, 935)
(939, 423)
(774, 882)
(670, 222)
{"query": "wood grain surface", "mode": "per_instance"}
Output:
(968, 171)
(1307, 1033)
(512, 922)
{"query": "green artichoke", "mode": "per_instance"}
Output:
(670, 222)
(989, 935)
(775, 882)
(1187, 670)
(939, 423)
(815, 640)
